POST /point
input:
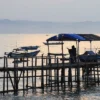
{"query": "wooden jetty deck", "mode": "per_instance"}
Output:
(47, 74)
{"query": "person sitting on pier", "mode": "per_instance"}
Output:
(72, 53)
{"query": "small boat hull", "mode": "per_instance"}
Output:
(22, 55)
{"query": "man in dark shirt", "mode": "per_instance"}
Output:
(74, 53)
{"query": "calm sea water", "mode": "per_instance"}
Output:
(10, 41)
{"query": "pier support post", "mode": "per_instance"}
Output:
(78, 69)
(42, 77)
(15, 78)
(4, 77)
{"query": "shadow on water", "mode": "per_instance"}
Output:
(91, 93)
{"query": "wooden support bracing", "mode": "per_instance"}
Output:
(51, 76)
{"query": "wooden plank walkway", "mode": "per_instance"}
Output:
(51, 66)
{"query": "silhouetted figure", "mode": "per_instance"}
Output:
(72, 53)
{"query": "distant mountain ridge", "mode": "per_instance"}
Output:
(25, 26)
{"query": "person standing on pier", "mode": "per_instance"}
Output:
(72, 53)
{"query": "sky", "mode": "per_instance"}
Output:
(50, 10)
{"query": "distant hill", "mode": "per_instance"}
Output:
(24, 26)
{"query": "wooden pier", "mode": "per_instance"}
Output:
(44, 74)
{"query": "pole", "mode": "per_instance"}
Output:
(48, 48)
(90, 45)
(78, 69)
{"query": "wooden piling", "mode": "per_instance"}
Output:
(23, 78)
(27, 77)
(15, 77)
(57, 75)
(46, 73)
(98, 74)
(32, 77)
(42, 76)
(4, 77)
(7, 73)
(94, 75)
(78, 74)
(35, 73)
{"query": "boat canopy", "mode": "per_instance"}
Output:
(74, 37)
(30, 47)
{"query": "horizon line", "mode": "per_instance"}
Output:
(47, 21)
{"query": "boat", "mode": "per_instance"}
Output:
(22, 52)
(89, 56)
(55, 43)
(22, 55)
(30, 47)
(26, 48)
